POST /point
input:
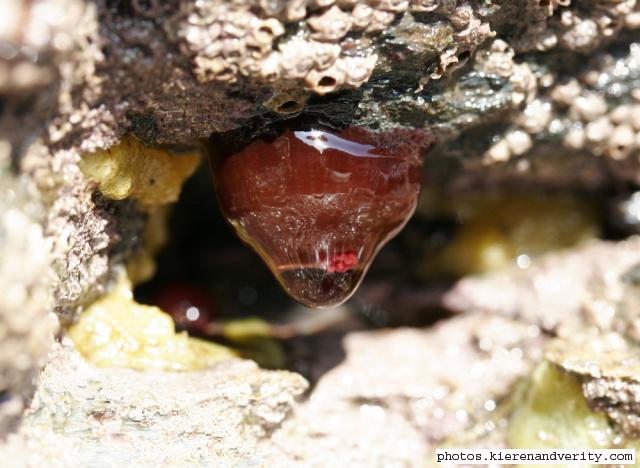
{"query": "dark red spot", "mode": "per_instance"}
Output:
(317, 205)
(190, 306)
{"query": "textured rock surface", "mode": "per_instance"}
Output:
(390, 402)
(396, 396)
(80, 231)
(39, 61)
(174, 71)
(83, 416)
(588, 299)
(401, 393)
(506, 88)
(26, 329)
(531, 92)
(581, 286)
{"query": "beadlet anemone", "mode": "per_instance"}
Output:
(317, 205)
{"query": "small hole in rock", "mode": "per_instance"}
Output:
(464, 56)
(266, 30)
(289, 106)
(327, 82)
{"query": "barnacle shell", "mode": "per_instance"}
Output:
(326, 81)
(332, 25)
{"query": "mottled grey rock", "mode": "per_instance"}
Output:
(85, 416)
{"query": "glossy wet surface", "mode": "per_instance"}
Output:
(318, 286)
(317, 205)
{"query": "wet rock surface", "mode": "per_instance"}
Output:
(593, 320)
(85, 416)
(401, 393)
(517, 95)
(591, 279)
(392, 397)
(368, 410)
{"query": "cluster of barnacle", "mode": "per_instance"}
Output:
(577, 109)
(42, 43)
(469, 33)
(227, 40)
(518, 139)
(78, 83)
(613, 132)
(591, 125)
(583, 32)
(497, 59)
(591, 122)
(579, 30)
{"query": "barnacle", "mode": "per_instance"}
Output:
(227, 41)
(287, 101)
(325, 81)
(379, 21)
(331, 25)
(425, 6)
(362, 16)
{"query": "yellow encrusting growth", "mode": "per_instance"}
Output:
(117, 331)
(142, 266)
(132, 170)
(550, 411)
(494, 231)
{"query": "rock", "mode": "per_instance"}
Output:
(81, 232)
(518, 94)
(401, 393)
(588, 297)
(175, 73)
(608, 368)
(26, 327)
(82, 415)
(558, 290)
(398, 394)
